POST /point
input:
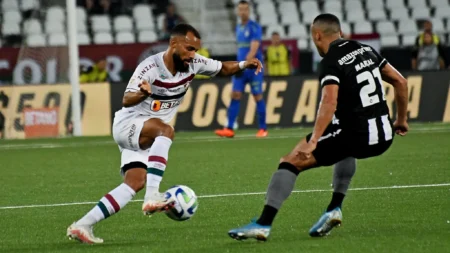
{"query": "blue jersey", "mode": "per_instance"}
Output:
(245, 34)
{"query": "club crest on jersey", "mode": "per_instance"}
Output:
(158, 105)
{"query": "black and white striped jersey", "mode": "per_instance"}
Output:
(361, 110)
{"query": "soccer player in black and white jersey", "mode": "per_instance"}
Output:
(353, 122)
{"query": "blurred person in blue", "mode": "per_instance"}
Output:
(249, 37)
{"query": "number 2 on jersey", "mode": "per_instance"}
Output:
(365, 93)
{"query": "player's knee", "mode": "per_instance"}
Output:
(258, 97)
(168, 131)
(236, 95)
(294, 161)
(136, 178)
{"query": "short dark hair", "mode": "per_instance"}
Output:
(331, 22)
(276, 33)
(243, 2)
(183, 29)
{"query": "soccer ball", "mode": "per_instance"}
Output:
(185, 203)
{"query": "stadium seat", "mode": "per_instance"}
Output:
(332, 5)
(399, 14)
(81, 25)
(420, 13)
(442, 12)
(302, 44)
(81, 14)
(308, 6)
(377, 15)
(308, 17)
(54, 27)
(439, 3)
(275, 28)
(142, 11)
(36, 40)
(103, 38)
(346, 28)
(286, 6)
(362, 27)
(32, 26)
(125, 38)
(10, 29)
(100, 23)
(407, 27)
(55, 13)
(389, 41)
(394, 4)
(10, 5)
(355, 16)
(29, 5)
(142, 25)
(57, 39)
(265, 7)
(266, 20)
(12, 16)
(438, 25)
(147, 37)
(374, 5)
(297, 31)
(409, 40)
(160, 22)
(290, 17)
(417, 4)
(123, 23)
(386, 28)
(351, 5)
(83, 39)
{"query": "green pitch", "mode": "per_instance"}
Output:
(377, 216)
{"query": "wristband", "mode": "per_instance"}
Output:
(242, 64)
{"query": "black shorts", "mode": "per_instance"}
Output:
(336, 145)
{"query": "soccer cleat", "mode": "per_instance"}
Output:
(252, 230)
(326, 223)
(225, 132)
(262, 133)
(83, 234)
(157, 203)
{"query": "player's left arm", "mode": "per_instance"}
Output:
(210, 67)
(256, 34)
(327, 107)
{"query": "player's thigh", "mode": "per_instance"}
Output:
(300, 162)
(256, 84)
(239, 82)
(153, 128)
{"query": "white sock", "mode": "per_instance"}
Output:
(157, 161)
(110, 204)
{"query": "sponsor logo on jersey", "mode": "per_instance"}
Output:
(350, 57)
(147, 68)
(200, 60)
(158, 105)
(131, 134)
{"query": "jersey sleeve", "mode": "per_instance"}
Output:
(144, 71)
(256, 32)
(328, 73)
(381, 60)
(206, 66)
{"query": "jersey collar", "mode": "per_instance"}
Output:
(335, 42)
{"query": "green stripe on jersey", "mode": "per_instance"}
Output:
(155, 171)
(104, 209)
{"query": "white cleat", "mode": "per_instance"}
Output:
(157, 203)
(83, 234)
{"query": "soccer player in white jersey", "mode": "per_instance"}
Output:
(141, 127)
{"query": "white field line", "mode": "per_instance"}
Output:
(298, 134)
(243, 194)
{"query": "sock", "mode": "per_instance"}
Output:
(342, 176)
(110, 204)
(261, 110)
(280, 187)
(233, 112)
(157, 161)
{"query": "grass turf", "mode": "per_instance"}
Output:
(50, 171)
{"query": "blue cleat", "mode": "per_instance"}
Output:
(252, 230)
(326, 223)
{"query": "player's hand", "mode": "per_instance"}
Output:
(145, 87)
(254, 64)
(305, 151)
(401, 127)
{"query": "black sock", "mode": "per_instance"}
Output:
(336, 201)
(267, 216)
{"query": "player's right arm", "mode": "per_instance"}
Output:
(132, 98)
(139, 86)
(392, 76)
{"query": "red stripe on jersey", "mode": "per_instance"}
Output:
(113, 202)
(172, 85)
(159, 159)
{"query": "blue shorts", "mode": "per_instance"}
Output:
(248, 76)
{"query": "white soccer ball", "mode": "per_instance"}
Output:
(185, 202)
